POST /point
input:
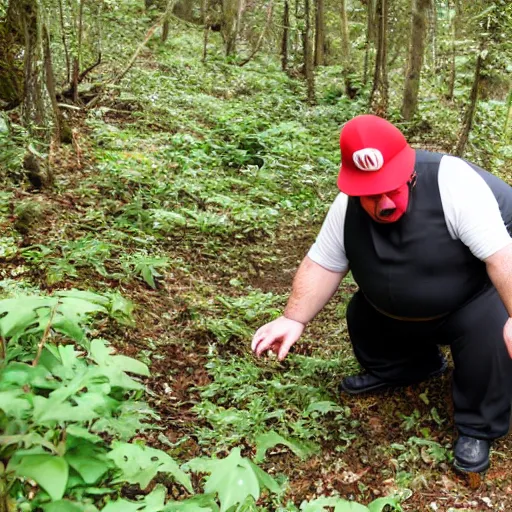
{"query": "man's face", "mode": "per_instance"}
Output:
(388, 207)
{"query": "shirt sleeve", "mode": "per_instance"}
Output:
(329, 248)
(471, 211)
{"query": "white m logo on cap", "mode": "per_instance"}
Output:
(368, 159)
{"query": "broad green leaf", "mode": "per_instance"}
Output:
(121, 310)
(49, 471)
(102, 355)
(17, 375)
(65, 506)
(155, 500)
(339, 505)
(88, 461)
(200, 503)
(323, 407)
(265, 479)
(19, 314)
(122, 506)
(52, 409)
(12, 403)
(270, 439)
(27, 441)
(140, 464)
(380, 504)
(95, 298)
(233, 479)
(82, 433)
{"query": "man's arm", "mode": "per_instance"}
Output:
(499, 268)
(313, 286)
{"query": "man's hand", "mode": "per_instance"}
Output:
(278, 336)
(507, 334)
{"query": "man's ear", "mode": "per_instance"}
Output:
(412, 181)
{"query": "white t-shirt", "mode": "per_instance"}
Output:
(471, 213)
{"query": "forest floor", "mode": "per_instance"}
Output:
(215, 180)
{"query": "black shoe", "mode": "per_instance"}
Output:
(471, 455)
(356, 384)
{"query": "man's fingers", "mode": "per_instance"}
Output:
(256, 339)
(285, 348)
(264, 345)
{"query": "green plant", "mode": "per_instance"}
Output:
(145, 266)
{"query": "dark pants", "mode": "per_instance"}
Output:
(402, 352)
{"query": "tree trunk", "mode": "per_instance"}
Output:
(232, 11)
(11, 69)
(454, 35)
(308, 53)
(319, 33)
(473, 100)
(50, 82)
(184, 9)
(379, 97)
(286, 31)
(348, 66)
(370, 36)
(78, 51)
(420, 10)
(33, 105)
(64, 41)
(206, 20)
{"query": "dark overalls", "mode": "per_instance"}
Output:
(413, 270)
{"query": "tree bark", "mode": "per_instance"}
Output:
(370, 36)
(50, 82)
(319, 33)
(206, 21)
(33, 101)
(308, 53)
(64, 41)
(78, 51)
(348, 66)
(232, 14)
(11, 69)
(473, 101)
(379, 97)
(286, 32)
(418, 34)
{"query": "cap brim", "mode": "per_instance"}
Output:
(394, 174)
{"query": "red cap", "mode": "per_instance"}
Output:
(375, 157)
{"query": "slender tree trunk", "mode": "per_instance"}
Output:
(308, 53)
(167, 19)
(33, 101)
(206, 21)
(76, 58)
(454, 32)
(286, 32)
(319, 33)
(370, 36)
(379, 97)
(232, 13)
(432, 12)
(348, 66)
(64, 41)
(50, 82)
(473, 101)
(420, 10)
